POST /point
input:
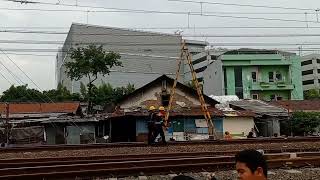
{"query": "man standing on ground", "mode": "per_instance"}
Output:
(251, 165)
(151, 124)
(159, 124)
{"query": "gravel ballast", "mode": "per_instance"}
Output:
(277, 174)
(159, 149)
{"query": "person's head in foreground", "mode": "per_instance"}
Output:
(251, 165)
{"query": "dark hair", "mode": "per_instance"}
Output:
(182, 177)
(253, 159)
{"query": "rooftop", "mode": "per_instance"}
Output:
(299, 105)
(259, 107)
(40, 108)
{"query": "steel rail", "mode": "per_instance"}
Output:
(140, 144)
(151, 166)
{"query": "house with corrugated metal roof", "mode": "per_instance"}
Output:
(129, 121)
(50, 123)
(267, 116)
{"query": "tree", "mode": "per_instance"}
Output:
(105, 94)
(61, 94)
(89, 62)
(22, 94)
(312, 94)
(305, 122)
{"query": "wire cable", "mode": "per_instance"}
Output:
(161, 12)
(245, 5)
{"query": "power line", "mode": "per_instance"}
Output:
(161, 35)
(164, 12)
(10, 83)
(15, 28)
(245, 5)
(128, 11)
(36, 86)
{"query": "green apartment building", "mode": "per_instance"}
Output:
(255, 74)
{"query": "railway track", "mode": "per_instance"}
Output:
(138, 144)
(126, 165)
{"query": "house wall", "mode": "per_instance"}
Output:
(71, 134)
(181, 129)
(238, 126)
(152, 97)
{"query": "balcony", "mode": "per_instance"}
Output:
(280, 85)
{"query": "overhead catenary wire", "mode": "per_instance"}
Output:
(35, 85)
(25, 28)
(128, 11)
(245, 5)
(163, 12)
(159, 34)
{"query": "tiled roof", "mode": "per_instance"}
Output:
(299, 105)
(38, 108)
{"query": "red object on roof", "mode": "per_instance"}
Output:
(299, 105)
(38, 108)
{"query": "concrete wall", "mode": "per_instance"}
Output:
(238, 125)
(213, 81)
(296, 77)
(144, 55)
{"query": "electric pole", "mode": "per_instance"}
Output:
(7, 123)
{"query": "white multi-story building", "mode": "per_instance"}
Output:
(310, 65)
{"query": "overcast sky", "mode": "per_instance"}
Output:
(40, 66)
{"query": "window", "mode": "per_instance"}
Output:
(165, 99)
(307, 72)
(225, 81)
(307, 82)
(278, 76)
(271, 77)
(238, 81)
(255, 96)
(306, 62)
(318, 71)
(254, 76)
(318, 61)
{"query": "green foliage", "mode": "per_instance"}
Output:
(89, 62)
(311, 94)
(305, 122)
(61, 94)
(106, 94)
(21, 94)
(24, 94)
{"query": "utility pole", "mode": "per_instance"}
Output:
(7, 123)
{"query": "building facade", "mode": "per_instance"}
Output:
(310, 66)
(144, 55)
(255, 74)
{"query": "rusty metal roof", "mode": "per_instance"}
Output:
(299, 105)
